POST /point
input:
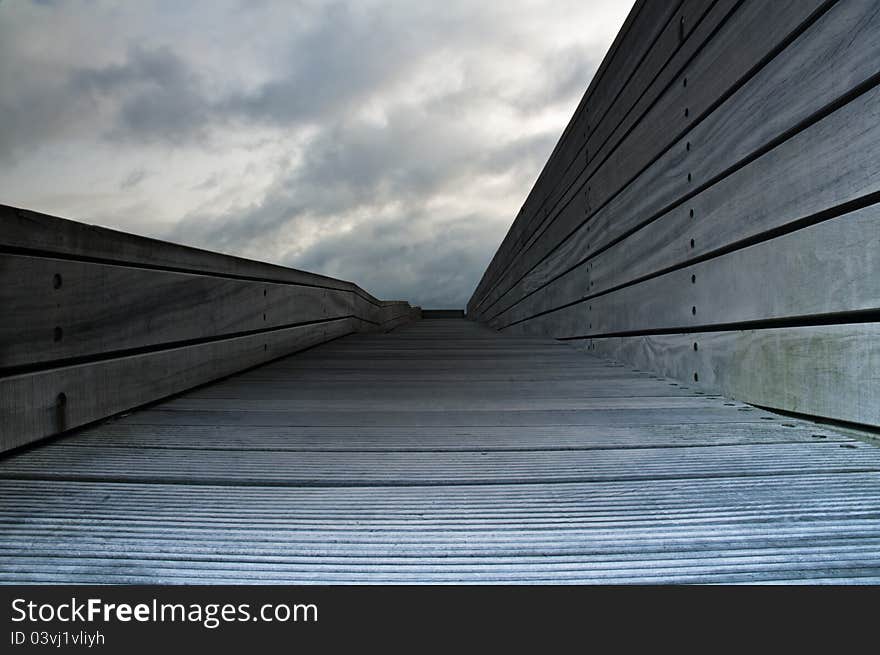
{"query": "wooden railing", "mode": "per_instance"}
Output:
(94, 322)
(710, 212)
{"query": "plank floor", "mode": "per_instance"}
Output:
(443, 452)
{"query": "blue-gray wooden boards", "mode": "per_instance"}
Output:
(443, 452)
(95, 321)
(711, 212)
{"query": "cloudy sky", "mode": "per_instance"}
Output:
(387, 143)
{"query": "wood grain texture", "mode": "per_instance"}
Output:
(724, 493)
(745, 195)
(33, 231)
(96, 321)
(828, 371)
(46, 401)
(818, 270)
(31, 408)
(835, 55)
(644, 22)
(726, 61)
(668, 57)
(101, 308)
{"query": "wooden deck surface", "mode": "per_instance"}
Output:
(443, 452)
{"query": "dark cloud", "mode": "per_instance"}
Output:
(409, 256)
(385, 143)
(134, 178)
(344, 56)
(156, 94)
(395, 169)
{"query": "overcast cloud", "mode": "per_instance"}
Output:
(387, 143)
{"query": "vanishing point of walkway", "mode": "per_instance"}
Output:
(443, 452)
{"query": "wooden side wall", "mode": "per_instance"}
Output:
(94, 322)
(711, 211)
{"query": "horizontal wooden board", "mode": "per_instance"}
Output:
(749, 529)
(101, 308)
(674, 494)
(823, 269)
(331, 469)
(727, 60)
(366, 401)
(30, 230)
(645, 20)
(454, 419)
(814, 72)
(669, 56)
(31, 407)
(828, 371)
(397, 391)
(120, 434)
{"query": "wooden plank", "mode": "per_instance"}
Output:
(120, 434)
(675, 494)
(777, 528)
(668, 57)
(367, 401)
(363, 469)
(447, 391)
(641, 27)
(377, 313)
(33, 231)
(101, 308)
(451, 419)
(706, 86)
(827, 371)
(532, 201)
(819, 270)
(725, 62)
(35, 405)
(811, 74)
(652, 39)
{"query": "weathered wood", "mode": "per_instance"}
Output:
(119, 434)
(33, 231)
(828, 370)
(726, 61)
(101, 308)
(437, 402)
(669, 56)
(42, 403)
(406, 391)
(97, 321)
(818, 270)
(654, 37)
(644, 21)
(322, 469)
(447, 452)
(835, 55)
(744, 196)
(674, 494)
(435, 418)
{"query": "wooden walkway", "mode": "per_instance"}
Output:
(443, 452)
